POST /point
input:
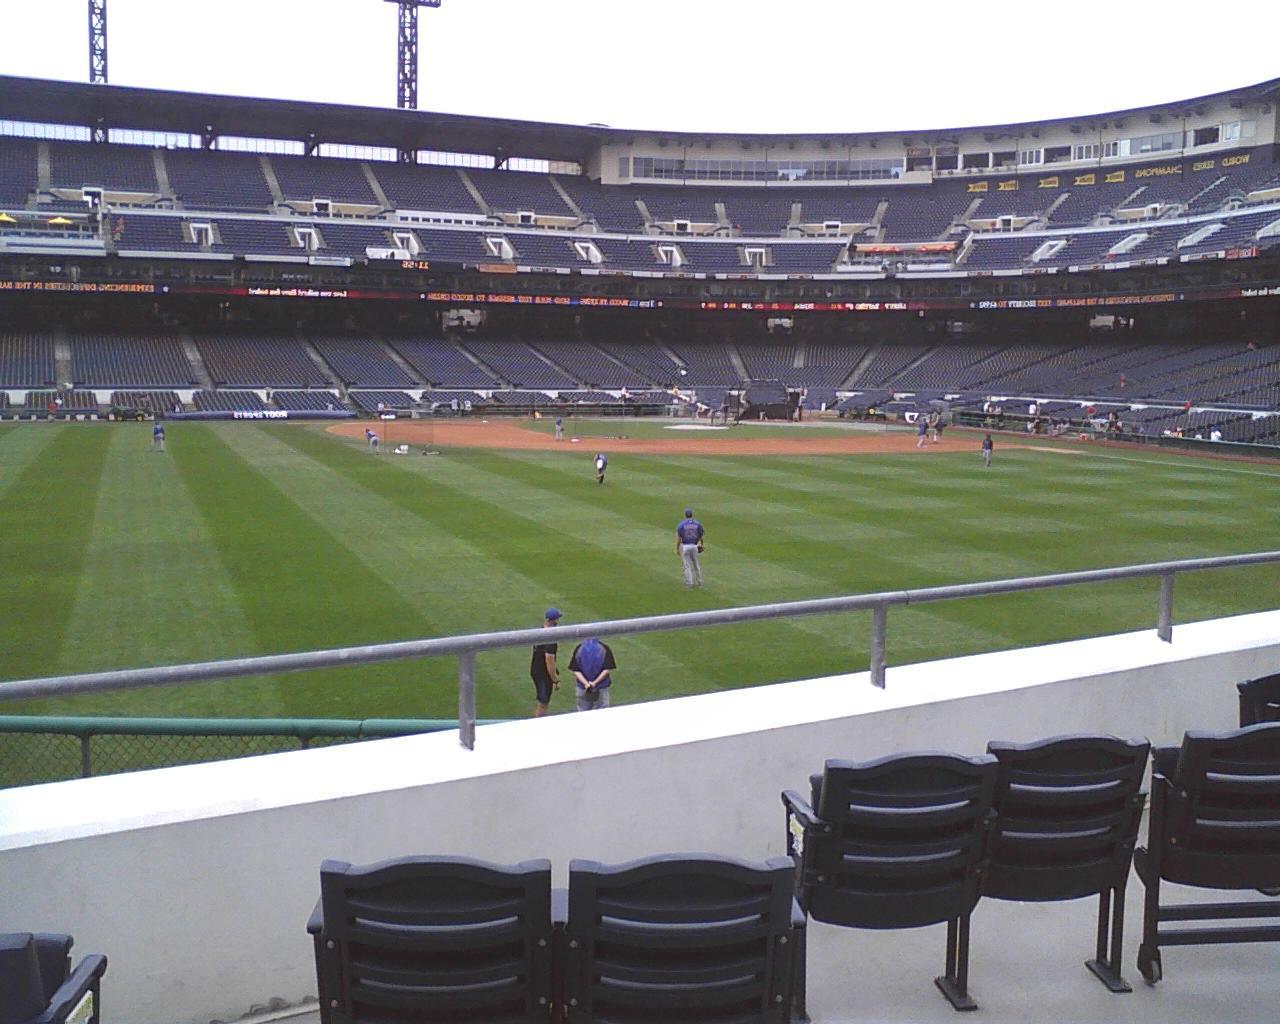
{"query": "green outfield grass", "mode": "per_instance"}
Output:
(253, 539)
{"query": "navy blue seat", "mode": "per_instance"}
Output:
(430, 940)
(37, 984)
(1259, 700)
(681, 940)
(899, 842)
(1214, 824)
(1067, 816)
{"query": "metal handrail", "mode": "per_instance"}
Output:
(466, 647)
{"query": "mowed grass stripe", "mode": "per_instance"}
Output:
(455, 498)
(448, 571)
(751, 569)
(152, 591)
(46, 520)
(299, 586)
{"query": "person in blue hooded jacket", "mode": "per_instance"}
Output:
(592, 664)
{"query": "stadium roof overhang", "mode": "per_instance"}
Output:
(113, 106)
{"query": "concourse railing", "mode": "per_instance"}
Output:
(465, 648)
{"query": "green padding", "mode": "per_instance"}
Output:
(352, 728)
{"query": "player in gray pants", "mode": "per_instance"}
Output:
(689, 545)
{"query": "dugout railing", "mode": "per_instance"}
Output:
(465, 648)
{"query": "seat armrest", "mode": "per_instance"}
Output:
(799, 806)
(315, 923)
(86, 976)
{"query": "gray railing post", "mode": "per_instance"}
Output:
(879, 621)
(1164, 625)
(467, 699)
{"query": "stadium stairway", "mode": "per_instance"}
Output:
(735, 357)
(322, 365)
(564, 195)
(475, 192)
(61, 356)
(192, 352)
(861, 368)
(376, 186)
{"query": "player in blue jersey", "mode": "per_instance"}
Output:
(157, 437)
(986, 450)
(689, 545)
(602, 463)
(372, 439)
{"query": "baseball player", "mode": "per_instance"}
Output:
(986, 451)
(157, 437)
(689, 545)
(602, 463)
(373, 440)
(559, 428)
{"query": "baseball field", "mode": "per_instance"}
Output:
(267, 538)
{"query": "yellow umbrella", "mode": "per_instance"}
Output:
(59, 220)
(6, 219)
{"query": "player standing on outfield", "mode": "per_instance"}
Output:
(602, 463)
(689, 545)
(559, 428)
(922, 429)
(986, 451)
(373, 440)
(157, 437)
(545, 675)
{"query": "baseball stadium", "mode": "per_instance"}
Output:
(315, 419)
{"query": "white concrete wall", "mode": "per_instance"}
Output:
(197, 881)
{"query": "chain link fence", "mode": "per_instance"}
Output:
(36, 749)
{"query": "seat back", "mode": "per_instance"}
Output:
(908, 840)
(679, 940)
(1067, 815)
(1259, 700)
(1222, 817)
(22, 995)
(428, 939)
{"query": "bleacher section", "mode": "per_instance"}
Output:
(361, 362)
(129, 361)
(426, 189)
(517, 364)
(26, 360)
(378, 401)
(588, 364)
(442, 362)
(518, 191)
(227, 401)
(17, 171)
(306, 401)
(66, 402)
(258, 360)
(156, 402)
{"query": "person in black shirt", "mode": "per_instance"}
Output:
(543, 671)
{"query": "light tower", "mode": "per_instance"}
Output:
(407, 60)
(98, 53)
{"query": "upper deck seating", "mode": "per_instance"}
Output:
(922, 213)
(17, 171)
(519, 191)
(613, 207)
(150, 234)
(116, 168)
(303, 178)
(425, 188)
(218, 181)
(760, 211)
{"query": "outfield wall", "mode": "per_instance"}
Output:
(197, 881)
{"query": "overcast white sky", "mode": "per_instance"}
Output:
(695, 65)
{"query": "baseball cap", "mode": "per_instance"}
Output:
(688, 511)
(552, 613)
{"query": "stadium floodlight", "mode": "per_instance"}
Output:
(407, 52)
(98, 53)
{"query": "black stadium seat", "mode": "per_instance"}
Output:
(1215, 824)
(1259, 700)
(38, 986)
(434, 939)
(1067, 815)
(681, 940)
(900, 842)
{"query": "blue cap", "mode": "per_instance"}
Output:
(552, 613)
(688, 512)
